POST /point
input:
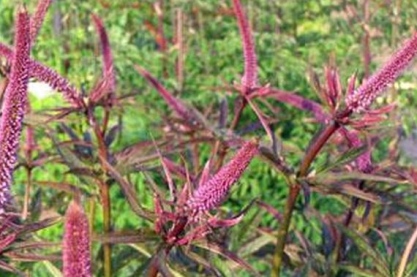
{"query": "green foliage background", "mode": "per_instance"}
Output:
(292, 37)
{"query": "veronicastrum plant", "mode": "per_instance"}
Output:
(185, 230)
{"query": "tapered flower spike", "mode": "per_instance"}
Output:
(250, 75)
(14, 105)
(37, 19)
(108, 67)
(49, 76)
(212, 193)
(364, 95)
(76, 244)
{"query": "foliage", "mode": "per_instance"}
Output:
(154, 127)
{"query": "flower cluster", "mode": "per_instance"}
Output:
(210, 194)
(365, 94)
(250, 75)
(76, 244)
(14, 105)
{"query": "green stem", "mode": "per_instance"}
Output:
(104, 193)
(27, 194)
(105, 200)
(295, 189)
(283, 230)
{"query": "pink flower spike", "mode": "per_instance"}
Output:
(210, 194)
(37, 19)
(56, 81)
(14, 105)
(76, 244)
(108, 67)
(49, 76)
(364, 95)
(250, 76)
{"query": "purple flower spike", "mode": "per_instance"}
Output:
(210, 194)
(49, 76)
(76, 244)
(108, 68)
(363, 96)
(56, 81)
(37, 19)
(14, 105)
(250, 76)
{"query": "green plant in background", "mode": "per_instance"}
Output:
(150, 168)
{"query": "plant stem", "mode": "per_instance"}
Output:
(283, 230)
(315, 148)
(178, 228)
(153, 270)
(295, 189)
(27, 193)
(240, 105)
(104, 193)
(105, 200)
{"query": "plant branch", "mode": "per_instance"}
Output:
(104, 193)
(283, 230)
(295, 189)
(315, 148)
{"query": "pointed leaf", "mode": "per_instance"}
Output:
(345, 158)
(365, 247)
(111, 135)
(298, 102)
(175, 104)
(228, 255)
(266, 126)
(141, 236)
(51, 268)
(343, 176)
(127, 189)
(254, 245)
(357, 271)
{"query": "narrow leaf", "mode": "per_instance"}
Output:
(298, 102)
(228, 255)
(174, 103)
(345, 158)
(364, 246)
(127, 190)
